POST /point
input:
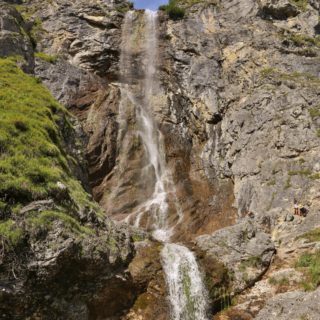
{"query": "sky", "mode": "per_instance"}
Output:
(148, 4)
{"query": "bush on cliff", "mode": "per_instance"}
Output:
(174, 11)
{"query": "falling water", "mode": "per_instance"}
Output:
(187, 294)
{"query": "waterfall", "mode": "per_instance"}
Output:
(187, 295)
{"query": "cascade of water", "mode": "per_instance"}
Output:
(187, 294)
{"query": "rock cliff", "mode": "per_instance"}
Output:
(239, 112)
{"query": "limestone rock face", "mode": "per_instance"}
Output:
(244, 248)
(292, 305)
(12, 40)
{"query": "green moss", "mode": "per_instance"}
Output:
(46, 57)
(309, 264)
(10, 232)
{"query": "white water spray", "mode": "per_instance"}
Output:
(187, 294)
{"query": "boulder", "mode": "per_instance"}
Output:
(244, 249)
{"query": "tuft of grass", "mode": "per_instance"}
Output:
(252, 262)
(10, 232)
(279, 282)
(46, 57)
(302, 172)
(304, 79)
(314, 112)
(44, 221)
(301, 4)
(309, 264)
(313, 235)
(301, 40)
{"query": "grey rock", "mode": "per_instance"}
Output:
(294, 305)
(243, 248)
(14, 40)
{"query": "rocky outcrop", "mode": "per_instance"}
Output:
(13, 36)
(244, 249)
(293, 305)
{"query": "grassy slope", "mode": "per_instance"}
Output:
(32, 159)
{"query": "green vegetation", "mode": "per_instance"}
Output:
(309, 265)
(302, 172)
(44, 221)
(314, 112)
(173, 9)
(10, 232)
(304, 79)
(281, 282)
(32, 156)
(313, 235)
(252, 262)
(46, 57)
(301, 40)
(301, 4)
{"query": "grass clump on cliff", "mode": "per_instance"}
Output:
(10, 232)
(309, 264)
(46, 57)
(313, 235)
(301, 4)
(45, 219)
(174, 10)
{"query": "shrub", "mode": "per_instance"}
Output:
(174, 11)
